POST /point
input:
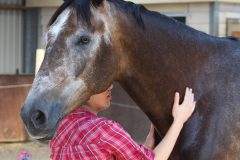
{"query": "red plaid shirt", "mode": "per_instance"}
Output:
(82, 135)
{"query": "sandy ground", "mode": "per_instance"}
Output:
(8, 151)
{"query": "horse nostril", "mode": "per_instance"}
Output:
(38, 119)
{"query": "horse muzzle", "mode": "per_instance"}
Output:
(41, 122)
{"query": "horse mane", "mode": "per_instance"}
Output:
(82, 8)
(233, 38)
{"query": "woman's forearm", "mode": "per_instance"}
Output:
(164, 148)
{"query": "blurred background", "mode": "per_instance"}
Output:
(22, 24)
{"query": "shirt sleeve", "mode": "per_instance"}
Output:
(119, 143)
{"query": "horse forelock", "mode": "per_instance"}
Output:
(84, 14)
(82, 7)
(58, 25)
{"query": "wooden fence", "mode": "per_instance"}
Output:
(13, 92)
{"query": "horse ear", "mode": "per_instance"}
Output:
(100, 4)
(97, 3)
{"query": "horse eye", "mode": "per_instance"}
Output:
(84, 40)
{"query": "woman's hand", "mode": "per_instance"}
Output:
(182, 112)
(150, 140)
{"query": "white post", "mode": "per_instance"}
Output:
(39, 58)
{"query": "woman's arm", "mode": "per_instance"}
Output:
(165, 147)
(181, 113)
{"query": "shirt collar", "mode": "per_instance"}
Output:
(79, 113)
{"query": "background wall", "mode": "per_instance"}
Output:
(233, 27)
(228, 11)
(198, 16)
(46, 14)
(12, 38)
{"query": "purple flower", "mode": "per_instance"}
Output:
(28, 155)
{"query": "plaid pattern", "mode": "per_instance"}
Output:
(82, 135)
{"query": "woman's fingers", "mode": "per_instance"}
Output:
(192, 99)
(151, 130)
(191, 103)
(193, 107)
(190, 96)
(176, 99)
(186, 108)
(186, 95)
(150, 140)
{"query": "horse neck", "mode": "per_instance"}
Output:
(155, 59)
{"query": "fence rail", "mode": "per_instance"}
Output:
(16, 86)
(10, 6)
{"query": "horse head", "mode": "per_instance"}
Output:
(80, 61)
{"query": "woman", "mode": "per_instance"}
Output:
(82, 135)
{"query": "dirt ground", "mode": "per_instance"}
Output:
(8, 151)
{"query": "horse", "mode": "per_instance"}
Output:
(92, 43)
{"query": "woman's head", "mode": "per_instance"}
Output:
(99, 101)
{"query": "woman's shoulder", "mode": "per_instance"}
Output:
(105, 121)
(109, 124)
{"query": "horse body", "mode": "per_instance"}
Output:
(151, 65)
(168, 60)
